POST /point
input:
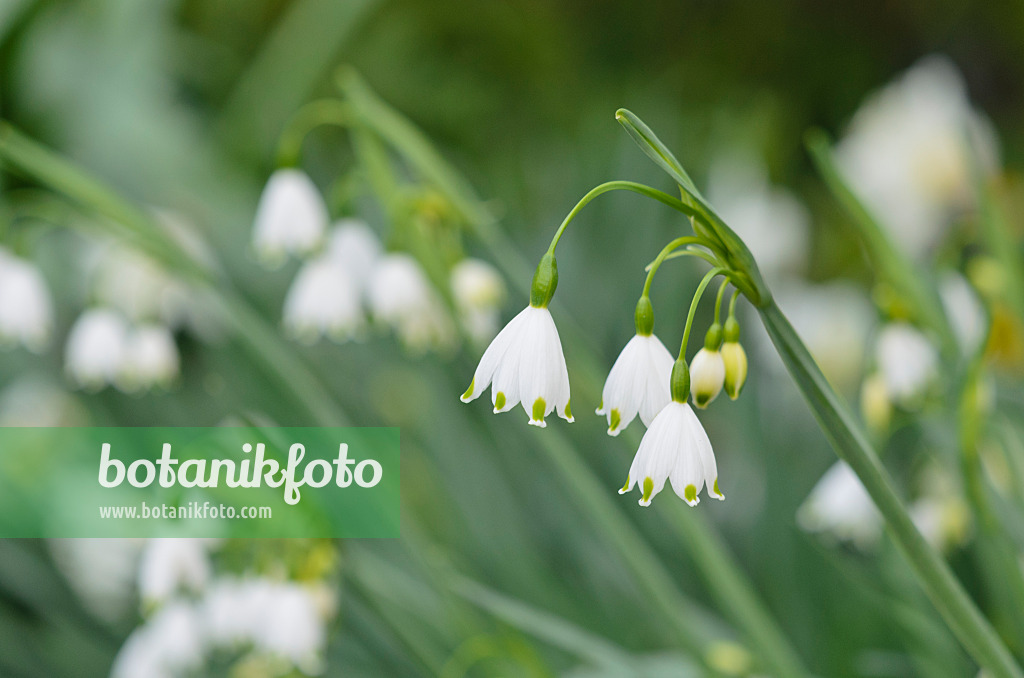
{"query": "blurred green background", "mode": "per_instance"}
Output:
(518, 557)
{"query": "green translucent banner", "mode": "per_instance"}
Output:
(199, 482)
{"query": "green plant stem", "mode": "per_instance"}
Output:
(309, 117)
(708, 277)
(654, 193)
(851, 445)
(652, 269)
(718, 301)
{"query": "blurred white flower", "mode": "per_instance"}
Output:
(839, 505)
(281, 619)
(525, 364)
(940, 512)
(356, 248)
(169, 565)
(169, 645)
(965, 312)
(323, 301)
(676, 449)
(834, 320)
(96, 348)
(479, 292)
(132, 283)
(26, 308)
(771, 221)
(638, 383)
(907, 360)
(291, 217)
(150, 359)
(402, 297)
(908, 151)
(101, 572)
(707, 376)
(31, 401)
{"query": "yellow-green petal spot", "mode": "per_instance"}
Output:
(717, 491)
(625, 487)
(616, 419)
(499, 400)
(469, 391)
(701, 400)
(690, 493)
(538, 409)
(648, 489)
(568, 409)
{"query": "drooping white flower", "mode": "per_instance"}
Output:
(524, 364)
(280, 619)
(169, 645)
(771, 221)
(402, 297)
(964, 310)
(150, 359)
(637, 384)
(707, 376)
(675, 449)
(478, 291)
(323, 301)
(907, 360)
(169, 565)
(96, 348)
(26, 308)
(291, 217)
(908, 149)
(356, 248)
(839, 505)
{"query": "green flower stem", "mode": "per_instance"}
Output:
(262, 341)
(665, 252)
(732, 303)
(654, 193)
(718, 301)
(708, 277)
(716, 565)
(692, 251)
(308, 118)
(851, 444)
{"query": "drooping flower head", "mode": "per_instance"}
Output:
(96, 348)
(151, 358)
(401, 296)
(524, 363)
(707, 370)
(26, 308)
(323, 301)
(675, 449)
(734, 358)
(291, 217)
(639, 380)
(478, 291)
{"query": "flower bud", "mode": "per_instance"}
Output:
(707, 376)
(679, 383)
(735, 359)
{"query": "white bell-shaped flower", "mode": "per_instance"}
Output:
(169, 565)
(674, 449)
(356, 248)
(26, 308)
(638, 382)
(524, 364)
(839, 505)
(707, 369)
(291, 217)
(907, 360)
(478, 291)
(151, 358)
(96, 348)
(169, 645)
(402, 297)
(323, 301)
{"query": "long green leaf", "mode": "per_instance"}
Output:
(851, 444)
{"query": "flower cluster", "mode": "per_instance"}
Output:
(525, 365)
(265, 624)
(347, 277)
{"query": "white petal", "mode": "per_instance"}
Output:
(495, 354)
